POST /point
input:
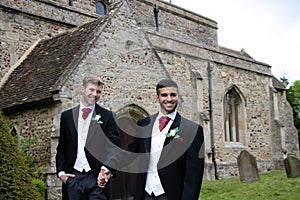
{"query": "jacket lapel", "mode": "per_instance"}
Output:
(74, 125)
(94, 126)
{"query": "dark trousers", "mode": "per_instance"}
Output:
(84, 187)
(153, 197)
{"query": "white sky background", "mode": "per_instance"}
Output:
(268, 30)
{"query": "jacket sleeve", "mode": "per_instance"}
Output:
(194, 168)
(112, 133)
(61, 150)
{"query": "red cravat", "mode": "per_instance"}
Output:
(85, 112)
(163, 121)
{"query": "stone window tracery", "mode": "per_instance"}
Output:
(234, 124)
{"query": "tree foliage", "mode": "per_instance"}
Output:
(15, 181)
(293, 97)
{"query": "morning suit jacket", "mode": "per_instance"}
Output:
(181, 163)
(68, 140)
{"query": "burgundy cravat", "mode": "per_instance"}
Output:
(85, 112)
(163, 121)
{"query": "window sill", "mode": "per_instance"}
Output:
(236, 145)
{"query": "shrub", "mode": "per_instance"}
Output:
(40, 185)
(15, 181)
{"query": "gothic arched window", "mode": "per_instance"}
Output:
(100, 8)
(234, 119)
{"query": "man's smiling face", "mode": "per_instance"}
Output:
(168, 99)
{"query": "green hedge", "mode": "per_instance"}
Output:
(15, 181)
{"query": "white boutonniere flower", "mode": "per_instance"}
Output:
(173, 132)
(97, 118)
(174, 135)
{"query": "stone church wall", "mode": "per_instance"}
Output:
(175, 23)
(18, 33)
(38, 126)
(131, 56)
(58, 10)
(257, 136)
(23, 22)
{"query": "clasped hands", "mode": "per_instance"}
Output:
(103, 178)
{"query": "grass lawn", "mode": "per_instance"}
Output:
(272, 185)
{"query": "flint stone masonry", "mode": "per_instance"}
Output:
(60, 11)
(19, 32)
(23, 22)
(131, 57)
(36, 125)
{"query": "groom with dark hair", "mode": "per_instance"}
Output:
(176, 151)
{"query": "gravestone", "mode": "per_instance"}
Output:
(247, 167)
(292, 166)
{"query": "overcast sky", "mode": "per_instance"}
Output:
(268, 30)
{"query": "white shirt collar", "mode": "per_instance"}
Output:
(83, 106)
(171, 115)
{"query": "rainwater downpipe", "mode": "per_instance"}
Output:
(212, 140)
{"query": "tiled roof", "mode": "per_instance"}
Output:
(41, 73)
(278, 84)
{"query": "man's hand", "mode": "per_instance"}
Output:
(64, 177)
(103, 178)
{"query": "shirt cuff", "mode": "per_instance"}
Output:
(61, 173)
(104, 168)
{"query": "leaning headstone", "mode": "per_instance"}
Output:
(247, 167)
(292, 166)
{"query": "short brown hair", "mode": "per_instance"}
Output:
(92, 79)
